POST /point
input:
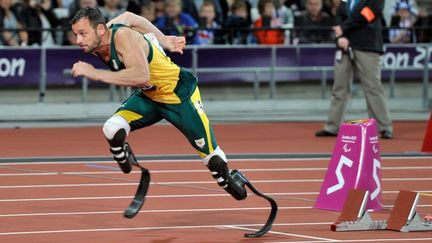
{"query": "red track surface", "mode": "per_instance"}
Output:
(83, 202)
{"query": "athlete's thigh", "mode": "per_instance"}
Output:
(189, 117)
(139, 111)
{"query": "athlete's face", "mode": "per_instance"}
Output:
(88, 38)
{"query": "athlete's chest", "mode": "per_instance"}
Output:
(111, 59)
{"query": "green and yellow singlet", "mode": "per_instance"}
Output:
(168, 84)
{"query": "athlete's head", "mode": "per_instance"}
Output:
(89, 27)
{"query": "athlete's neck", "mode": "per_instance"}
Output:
(104, 49)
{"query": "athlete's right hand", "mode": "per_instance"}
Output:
(84, 69)
(175, 43)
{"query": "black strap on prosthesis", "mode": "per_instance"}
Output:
(240, 178)
(138, 200)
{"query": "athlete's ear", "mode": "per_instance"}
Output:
(101, 29)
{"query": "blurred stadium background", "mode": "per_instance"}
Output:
(252, 65)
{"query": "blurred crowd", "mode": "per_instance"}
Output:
(204, 22)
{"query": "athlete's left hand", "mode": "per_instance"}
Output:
(175, 43)
(83, 69)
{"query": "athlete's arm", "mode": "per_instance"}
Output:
(129, 46)
(141, 24)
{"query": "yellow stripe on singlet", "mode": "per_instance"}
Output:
(164, 76)
(129, 116)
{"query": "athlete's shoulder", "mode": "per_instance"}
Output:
(123, 30)
(117, 26)
(126, 35)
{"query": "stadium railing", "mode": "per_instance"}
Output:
(228, 63)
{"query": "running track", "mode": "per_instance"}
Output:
(58, 185)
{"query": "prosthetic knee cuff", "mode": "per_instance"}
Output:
(116, 130)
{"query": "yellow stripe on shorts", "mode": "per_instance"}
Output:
(195, 98)
(129, 116)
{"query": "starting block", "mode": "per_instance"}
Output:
(354, 216)
(403, 217)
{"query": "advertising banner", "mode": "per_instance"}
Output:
(22, 66)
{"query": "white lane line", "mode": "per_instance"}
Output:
(407, 168)
(253, 170)
(200, 171)
(149, 196)
(65, 198)
(361, 240)
(283, 233)
(30, 174)
(407, 179)
(205, 171)
(253, 181)
(68, 185)
(196, 171)
(194, 227)
(149, 211)
(199, 160)
(212, 182)
(166, 161)
(184, 182)
(146, 228)
(162, 196)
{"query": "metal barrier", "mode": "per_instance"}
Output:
(272, 69)
(324, 70)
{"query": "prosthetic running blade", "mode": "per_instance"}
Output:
(139, 198)
(240, 178)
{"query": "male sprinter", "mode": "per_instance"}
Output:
(164, 90)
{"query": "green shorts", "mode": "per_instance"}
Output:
(189, 117)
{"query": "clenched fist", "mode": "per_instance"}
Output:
(84, 69)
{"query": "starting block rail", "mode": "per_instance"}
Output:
(403, 217)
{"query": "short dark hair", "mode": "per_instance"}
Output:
(94, 15)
